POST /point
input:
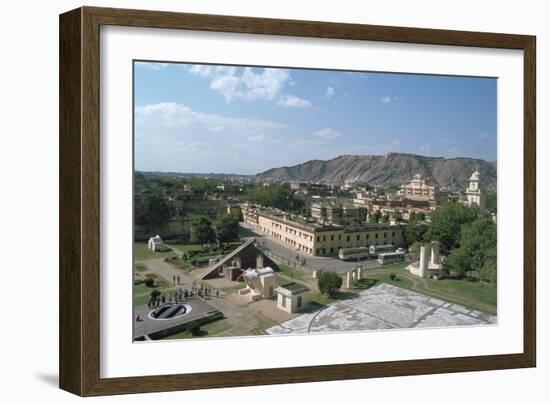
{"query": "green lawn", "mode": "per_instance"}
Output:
(142, 253)
(141, 295)
(200, 256)
(400, 281)
(263, 323)
(292, 272)
(322, 299)
(181, 264)
(141, 299)
(184, 247)
(473, 290)
(140, 267)
(160, 284)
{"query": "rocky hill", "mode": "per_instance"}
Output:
(389, 169)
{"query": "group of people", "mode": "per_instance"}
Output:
(181, 295)
(176, 279)
(203, 291)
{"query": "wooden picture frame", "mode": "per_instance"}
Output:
(79, 346)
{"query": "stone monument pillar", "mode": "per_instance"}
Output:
(435, 252)
(359, 273)
(424, 251)
(348, 280)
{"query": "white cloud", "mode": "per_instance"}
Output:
(247, 84)
(256, 138)
(327, 133)
(266, 85)
(205, 70)
(171, 136)
(388, 100)
(161, 118)
(329, 93)
(227, 86)
(291, 101)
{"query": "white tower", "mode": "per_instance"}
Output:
(474, 195)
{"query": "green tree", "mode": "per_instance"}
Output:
(329, 282)
(479, 240)
(151, 210)
(375, 217)
(201, 231)
(447, 222)
(491, 203)
(459, 261)
(227, 229)
(277, 196)
(415, 233)
(385, 219)
(414, 249)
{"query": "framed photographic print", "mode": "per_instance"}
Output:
(249, 201)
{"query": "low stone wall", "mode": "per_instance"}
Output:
(210, 317)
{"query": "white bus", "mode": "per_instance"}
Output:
(375, 250)
(391, 257)
(361, 252)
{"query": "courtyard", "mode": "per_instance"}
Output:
(388, 297)
(384, 306)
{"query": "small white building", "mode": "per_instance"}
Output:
(292, 297)
(156, 244)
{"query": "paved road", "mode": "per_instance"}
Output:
(291, 257)
(168, 272)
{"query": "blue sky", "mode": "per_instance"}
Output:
(225, 119)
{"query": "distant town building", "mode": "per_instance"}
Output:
(337, 214)
(475, 195)
(308, 187)
(420, 189)
(363, 199)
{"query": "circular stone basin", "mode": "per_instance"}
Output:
(170, 311)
